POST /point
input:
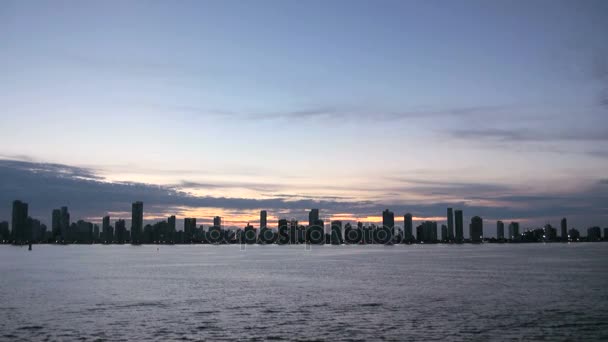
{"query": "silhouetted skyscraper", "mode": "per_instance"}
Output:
(336, 233)
(450, 224)
(313, 217)
(65, 224)
(513, 230)
(171, 229)
(408, 227)
(459, 226)
(171, 223)
(283, 228)
(427, 232)
(573, 234)
(44, 234)
(33, 230)
(564, 229)
(476, 229)
(120, 231)
(56, 224)
(388, 221)
(248, 235)
(500, 230)
(263, 222)
(189, 228)
(550, 233)
(594, 234)
(217, 222)
(137, 222)
(444, 232)
(5, 232)
(293, 231)
(19, 224)
(107, 233)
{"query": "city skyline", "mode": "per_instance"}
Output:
(353, 106)
(24, 228)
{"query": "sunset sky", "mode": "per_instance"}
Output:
(204, 108)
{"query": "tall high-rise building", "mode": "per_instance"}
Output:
(564, 229)
(573, 234)
(65, 224)
(513, 230)
(44, 233)
(476, 229)
(96, 232)
(171, 224)
(427, 232)
(5, 232)
(33, 229)
(120, 230)
(56, 224)
(106, 232)
(388, 221)
(293, 231)
(217, 222)
(313, 217)
(408, 227)
(444, 232)
(500, 230)
(450, 224)
(283, 228)
(263, 222)
(170, 233)
(137, 222)
(594, 234)
(550, 233)
(336, 233)
(459, 237)
(189, 228)
(19, 224)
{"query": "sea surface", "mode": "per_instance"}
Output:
(332, 293)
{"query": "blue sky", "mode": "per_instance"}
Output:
(362, 100)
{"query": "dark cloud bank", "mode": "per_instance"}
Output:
(47, 186)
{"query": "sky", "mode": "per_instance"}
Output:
(204, 108)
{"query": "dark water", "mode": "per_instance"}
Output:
(470, 292)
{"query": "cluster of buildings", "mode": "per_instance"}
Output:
(24, 229)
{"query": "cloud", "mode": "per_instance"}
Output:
(260, 187)
(289, 196)
(458, 112)
(522, 135)
(417, 183)
(45, 169)
(337, 112)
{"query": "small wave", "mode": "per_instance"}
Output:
(370, 304)
(208, 312)
(142, 304)
(31, 327)
(271, 311)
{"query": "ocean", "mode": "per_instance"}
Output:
(324, 293)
